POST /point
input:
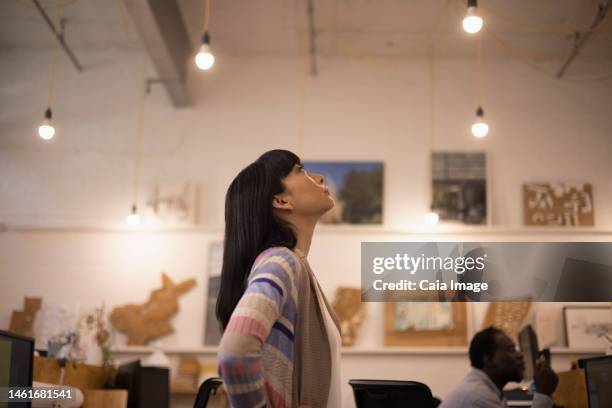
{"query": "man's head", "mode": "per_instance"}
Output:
(492, 351)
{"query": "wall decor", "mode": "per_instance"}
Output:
(212, 329)
(588, 326)
(558, 204)
(350, 311)
(507, 316)
(173, 204)
(425, 324)
(22, 321)
(459, 186)
(150, 320)
(357, 189)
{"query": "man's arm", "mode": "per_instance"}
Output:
(546, 381)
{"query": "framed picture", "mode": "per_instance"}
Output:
(588, 326)
(357, 189)
(558, 204)
(212, 330)
(173, 204)
(508, 316)
(459, 186)
(425, 324)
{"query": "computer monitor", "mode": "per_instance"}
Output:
(528, 343)
(598, 374)
(16, 363)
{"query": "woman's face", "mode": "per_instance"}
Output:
(305, 193)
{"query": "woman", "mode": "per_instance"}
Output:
(281, 340)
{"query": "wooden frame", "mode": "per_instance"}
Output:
(456, 336)
(568, 339)
(553, 210)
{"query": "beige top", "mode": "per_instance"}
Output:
(313, 355)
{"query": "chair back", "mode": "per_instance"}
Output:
(391, 394)
(206, 388)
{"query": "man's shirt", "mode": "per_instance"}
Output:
(478, 391)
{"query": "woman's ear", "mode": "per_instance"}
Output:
(281, 203)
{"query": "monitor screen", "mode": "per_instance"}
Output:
(598, 373)
(528, 343)
(16, 363)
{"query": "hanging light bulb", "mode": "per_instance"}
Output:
(472, 23)
(46, 130)
(480, 128)
(431, 218)
(204, 58)
(133, 219)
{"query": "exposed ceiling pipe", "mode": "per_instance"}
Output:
(312, 37)
(59, 36)
(165, 38)
(582, 38)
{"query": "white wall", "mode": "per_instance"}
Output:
(541, 129)
(88, 268)
(371, 109)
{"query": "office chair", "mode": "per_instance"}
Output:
(209, 386)
(391, 394)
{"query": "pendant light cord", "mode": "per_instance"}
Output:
(138, 148)
(479, 71)
(432, 130)
(206, 14)
(52, 64)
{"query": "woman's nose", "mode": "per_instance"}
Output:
(318, 178)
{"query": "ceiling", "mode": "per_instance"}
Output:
(536, 30)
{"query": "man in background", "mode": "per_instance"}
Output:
(495, 362)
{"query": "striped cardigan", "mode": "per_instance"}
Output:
(256, 354)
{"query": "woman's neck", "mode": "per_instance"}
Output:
(304, 228)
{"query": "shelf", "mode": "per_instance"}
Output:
(391, 351)
(356, 351)
(177, 350)
(183, 391)
(349, 351)
(576, 351)
(89, 228)
(50, 227)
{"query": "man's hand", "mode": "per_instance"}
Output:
(546, 380)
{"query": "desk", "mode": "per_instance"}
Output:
(571, 391)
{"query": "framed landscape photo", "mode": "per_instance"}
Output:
(424, 323)
(357, 189)
(588, 326)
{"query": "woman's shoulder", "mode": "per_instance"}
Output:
(279, 253)
(278, 263)
(278, 257)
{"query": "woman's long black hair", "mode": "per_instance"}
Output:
(250, 224)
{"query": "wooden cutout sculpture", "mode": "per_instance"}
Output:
(145, 322)
(23, 320)
(508, 316)
(350, 311)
